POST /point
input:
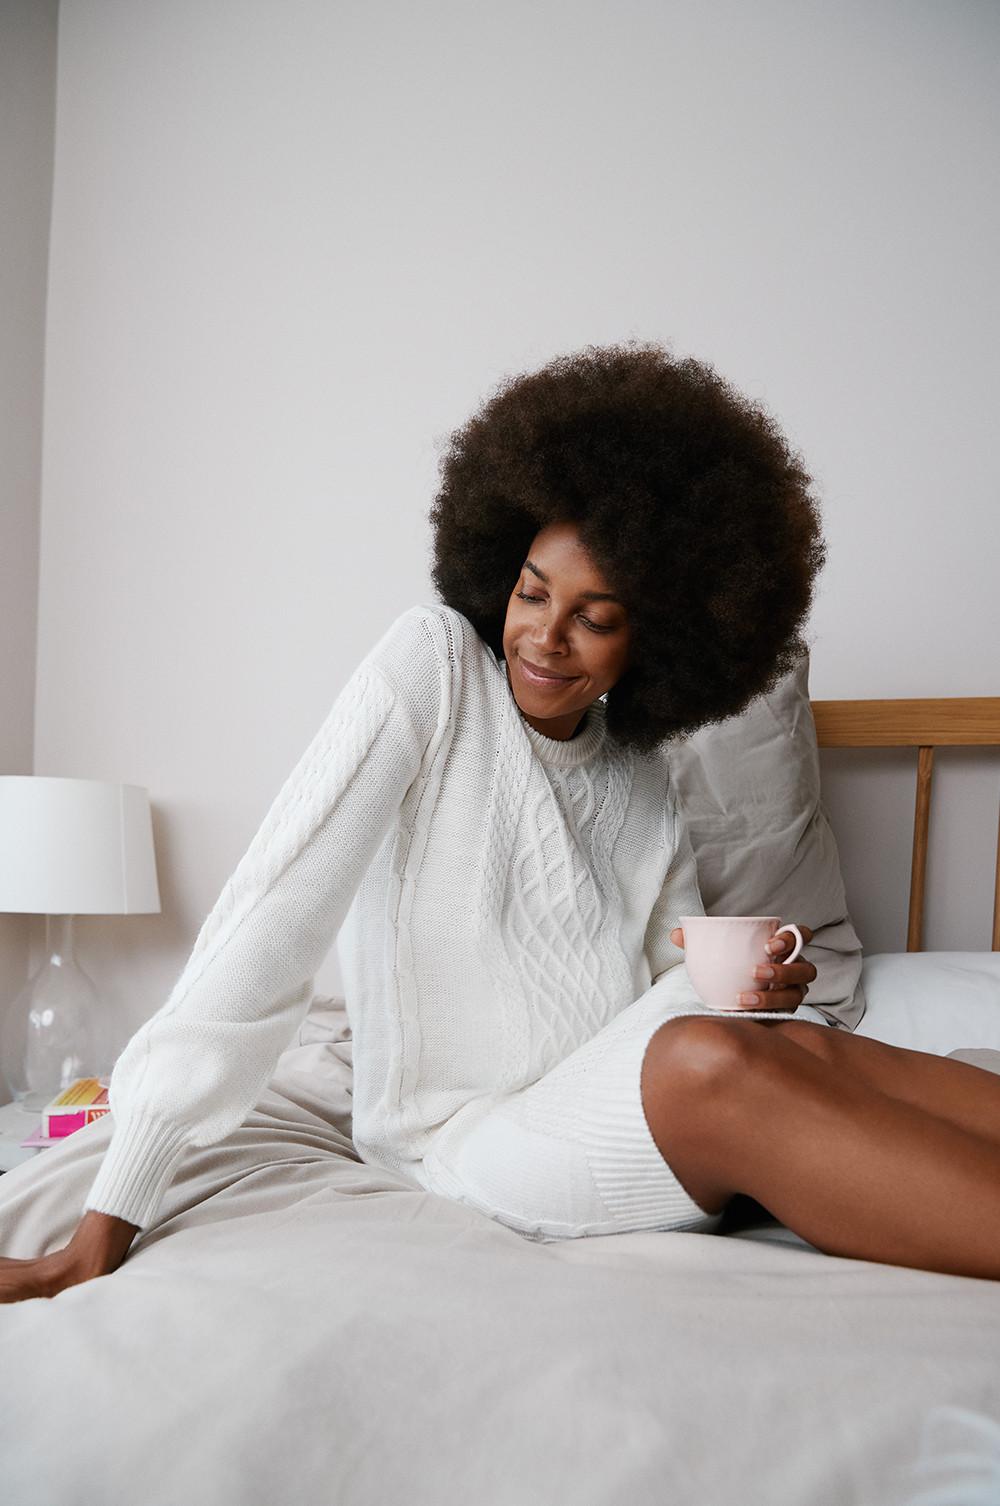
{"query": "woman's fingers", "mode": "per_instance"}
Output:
(790, 983)
(21, 1279)
(775, 998)
(784, 941)
(785, 974)
(43, 1276)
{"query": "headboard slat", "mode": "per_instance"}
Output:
(996, 897)
(949, 721)
(956, 721)
(918, 865)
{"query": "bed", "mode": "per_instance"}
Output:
(300, 1327)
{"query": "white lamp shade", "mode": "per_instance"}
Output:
(75, 847)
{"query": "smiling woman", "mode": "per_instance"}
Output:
(566, 638)
(624, 549)
(485, 825)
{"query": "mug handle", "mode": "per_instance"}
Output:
(799, 943)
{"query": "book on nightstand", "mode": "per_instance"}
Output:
(81, 1103)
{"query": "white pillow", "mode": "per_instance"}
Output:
(749, 790)
(933, 1001)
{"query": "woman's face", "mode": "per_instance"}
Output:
(555, 623)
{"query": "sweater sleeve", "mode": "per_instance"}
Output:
(679, 895)
(193, 1071)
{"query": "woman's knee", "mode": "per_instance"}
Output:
(693, 1065)
(704, 1048)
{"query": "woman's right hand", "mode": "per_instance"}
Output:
(98, 1246)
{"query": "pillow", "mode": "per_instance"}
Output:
(749, 790)
(941, 1002)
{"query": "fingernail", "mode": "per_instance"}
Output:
(746, 998)
(763, 972)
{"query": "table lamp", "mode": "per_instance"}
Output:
(68, 847)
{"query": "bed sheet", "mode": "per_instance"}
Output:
(298, 1326)
(932, 1001)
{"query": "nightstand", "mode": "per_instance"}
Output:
(15, 1125)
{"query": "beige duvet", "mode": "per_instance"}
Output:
(298, 1327)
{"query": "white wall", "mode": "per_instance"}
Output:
(27, 126)
(295, 242)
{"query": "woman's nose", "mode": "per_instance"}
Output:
(550, 632)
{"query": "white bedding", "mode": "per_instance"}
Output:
(298, 1327)
(933, 1001)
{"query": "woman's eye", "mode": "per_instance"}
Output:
(594, 627)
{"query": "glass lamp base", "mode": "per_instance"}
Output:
(48, 1037)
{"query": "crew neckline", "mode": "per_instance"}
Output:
(568, 752)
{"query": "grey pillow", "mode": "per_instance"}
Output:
(749, 789)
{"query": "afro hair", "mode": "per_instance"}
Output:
(686, 497)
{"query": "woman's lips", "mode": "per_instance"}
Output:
(543, 681)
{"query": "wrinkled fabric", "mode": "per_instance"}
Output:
(299, 1327)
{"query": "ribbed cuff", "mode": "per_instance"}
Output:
(137, 1167)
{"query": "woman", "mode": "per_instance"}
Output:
(625, 549)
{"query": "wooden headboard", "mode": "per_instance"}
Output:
(954, 722)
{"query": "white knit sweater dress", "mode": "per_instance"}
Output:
(503, 902)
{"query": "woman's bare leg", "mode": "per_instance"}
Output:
(957, 1092)
(852, 1171)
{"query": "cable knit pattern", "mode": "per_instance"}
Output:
(562, 905)
(499, 898)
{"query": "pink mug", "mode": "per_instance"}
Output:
(721, 952)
